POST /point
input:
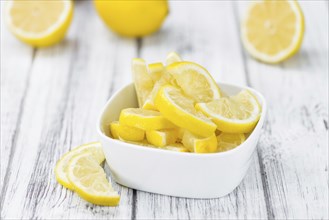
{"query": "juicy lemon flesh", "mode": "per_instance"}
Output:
(161, 138)
(90, 182)
(128, 133)
(274, 28)
(62, 165)
(226, 141)
(199, 144)
(156, 71)
(195, 81)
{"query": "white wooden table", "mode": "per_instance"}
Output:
(50, 99)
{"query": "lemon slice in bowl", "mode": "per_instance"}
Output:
(127, 133)
(89, 181)
(227, 141)
(61, 167)
(161, 138)
(198, 144)
(39, 23)
(195, 81)
(180, 110)
(142, 80)
(178, 147)
(273, 30)
(236, 114)
(144, 119)
(173, 57)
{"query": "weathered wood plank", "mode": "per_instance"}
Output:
(16, 62)
(69, 85)
(205, 33)
(294, 150)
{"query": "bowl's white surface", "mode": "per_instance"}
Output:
(174, 173)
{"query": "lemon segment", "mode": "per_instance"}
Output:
(227, 141)
(156, 71)
(178, 147)
(39, 23)
(173, 57)
(62, 165)
(128, 133)
(142, 80)
(199, 144)
(89, 181)
(236, 114)
(273, 30)
(195, 81)
(144, 119)
(180, 110)
(161, 138)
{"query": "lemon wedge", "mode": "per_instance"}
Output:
(161, 138)
(227, 141)
(143, 81)
(39, 23)
(61, 167)
(156, 71)
(195, 81)
(144, 119)
(199, 144)
(178, 147)
(236, 114)
(180, 110)
(127, 133)
(173, 57)
(273, 30)
(89, 181)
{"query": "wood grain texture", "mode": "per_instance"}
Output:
(212, 41)
(294, 148)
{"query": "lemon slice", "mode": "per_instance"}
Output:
(144, 119)
(199, 144)
(273, 30)
(161, 138)
(143, 81)
(226, 141)
(89, 181)
(236, 114)
(127, 133)
(173, 57)
(178, 147)
(195, 81)
(61, 167)
(156, 71)
(180, 110)
(39, 23)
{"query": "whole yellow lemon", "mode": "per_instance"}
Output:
(132, 18)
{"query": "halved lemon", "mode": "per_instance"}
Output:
(236, 114)
(195, 81)
(173, 57)
(273, 30)
(127, 133)
(142, 80)
(227, 141)
(39, 23)
(161, 138)
(180, 110)
(89, 181)
(144, 119)
(200, 144)
(61, 167)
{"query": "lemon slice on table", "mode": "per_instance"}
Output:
(195, 81)
(161, 138)
(127, 133)
(89, 181)
(227, 141)
(39, 23)
(199, 144)
(273, 30)
(144, 119)
(236, 114)
(180, 110)
(173, 57)
(143, 81)
(61, 167)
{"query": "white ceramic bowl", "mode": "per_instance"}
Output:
(174, 173)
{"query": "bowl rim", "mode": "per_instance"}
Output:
(188, 154)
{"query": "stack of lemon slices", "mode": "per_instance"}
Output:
(181, 108)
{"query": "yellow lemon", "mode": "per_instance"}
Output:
(132, 18)
(273, 30)
(227, 141)
(39, 23)
(161, 138)
(200, 144)
(127, 133)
